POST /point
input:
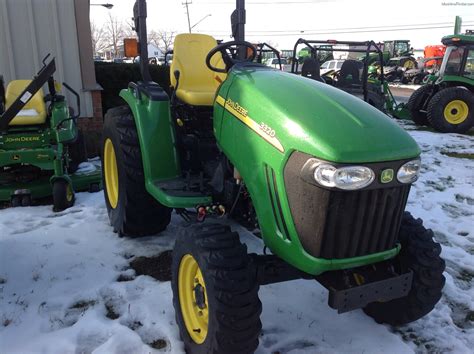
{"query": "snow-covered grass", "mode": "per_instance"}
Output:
(59, 272)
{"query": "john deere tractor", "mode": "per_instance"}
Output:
(40, 145)
(321, 176)
(446, 101)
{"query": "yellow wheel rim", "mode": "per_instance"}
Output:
(69, 193)
(193, 299)
(456, 112)
(408, 64)
(111, 173)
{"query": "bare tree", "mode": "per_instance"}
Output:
(98, 38)
(129, 30)
(114, 30)
(162, 39)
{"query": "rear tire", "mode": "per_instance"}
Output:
(451, 110)
(409, 63)
(231, 310)
(132, 210)
(420, 254)
(63, 195)
(416, 103)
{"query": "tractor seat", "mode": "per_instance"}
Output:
(34, 112)
(350, 73)
(311, 69)
(197, 83)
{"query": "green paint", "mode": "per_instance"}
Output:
(157, 144)
(386, 176)
(43, 147)
(268, 109)
(310, 117)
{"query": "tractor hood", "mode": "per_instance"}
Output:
(312, 117)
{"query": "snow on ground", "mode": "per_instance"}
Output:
(66, 285)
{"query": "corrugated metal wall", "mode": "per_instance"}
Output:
(29, 30)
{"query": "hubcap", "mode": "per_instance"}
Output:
(456, 112)
(193, 299)
(111, 173)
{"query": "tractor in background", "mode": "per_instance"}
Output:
(446, 101)
(319, 175)
(40, 145)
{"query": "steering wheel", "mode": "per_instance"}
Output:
(229, 52)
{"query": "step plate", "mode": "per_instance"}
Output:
(360, 296)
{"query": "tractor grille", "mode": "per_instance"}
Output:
(336, 224)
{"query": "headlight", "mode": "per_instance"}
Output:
(348, 178)
(409, 171)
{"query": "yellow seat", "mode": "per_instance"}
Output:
(34, 112)
(197, 83)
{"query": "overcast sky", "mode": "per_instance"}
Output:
(282, 21)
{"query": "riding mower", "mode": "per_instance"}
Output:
(40, 145)
(321, 176)
(446, 101)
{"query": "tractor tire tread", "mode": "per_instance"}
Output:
(435, 115)
(422, 255)
(142, 215)
(234, 323)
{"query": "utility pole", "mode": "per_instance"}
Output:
(187, 3)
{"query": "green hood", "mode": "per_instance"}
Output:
(318, 119)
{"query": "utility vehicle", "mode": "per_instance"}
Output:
(353, 76)
(40, 144)
(446, 102)
(321, 176)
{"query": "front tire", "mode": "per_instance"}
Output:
(132, 210)
(419, 254)
(215, 293)
(417, 102)
(451, 110)
(63, 195)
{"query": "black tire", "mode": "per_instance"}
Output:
(63, 195)
(136, 213)
(77, 152)
(438, 103)
(26, 200)
(420, 254)
(231, 290)
(416, 104)
(15, 201)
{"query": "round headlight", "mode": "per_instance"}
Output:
(409, 171)
(324, 175)
(348, 178)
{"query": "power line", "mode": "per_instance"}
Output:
(373, 28)
(336, 31)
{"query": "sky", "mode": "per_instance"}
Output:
(282, 22)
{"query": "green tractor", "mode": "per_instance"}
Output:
(288, 158)
(446, 101)
(40, 145)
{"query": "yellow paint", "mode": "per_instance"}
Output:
(14, 90)
(196, 319)
(111, 174)
(242, 114)
(197, 83)
(456, 112)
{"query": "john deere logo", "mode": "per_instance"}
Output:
(386, 176)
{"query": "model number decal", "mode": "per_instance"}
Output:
(267, 130)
